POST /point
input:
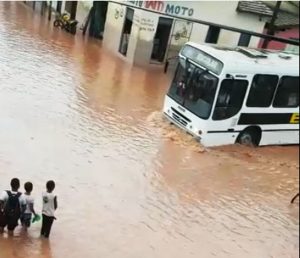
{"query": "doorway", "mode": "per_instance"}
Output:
(97, 19)
(58, 6)
(161, 39)
(71, 8)
(126, 31)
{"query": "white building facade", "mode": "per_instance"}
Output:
(149, 32)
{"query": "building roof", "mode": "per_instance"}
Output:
(255, 7)
(284, 18)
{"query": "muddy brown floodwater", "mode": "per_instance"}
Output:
(129, 184)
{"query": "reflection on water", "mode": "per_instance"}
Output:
(129, 184)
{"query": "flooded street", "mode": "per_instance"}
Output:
(129, 185)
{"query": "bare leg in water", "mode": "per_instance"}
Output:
(294, 198)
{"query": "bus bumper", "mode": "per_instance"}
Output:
(173, 121)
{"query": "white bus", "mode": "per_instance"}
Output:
(235, 95)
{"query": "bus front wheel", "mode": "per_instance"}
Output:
(250, 136)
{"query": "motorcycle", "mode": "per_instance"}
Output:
(64, 22)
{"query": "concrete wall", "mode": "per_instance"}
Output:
(133, 40)
(145, 24)
(113, 26)
(224, 14)
(140, 42)
(63, 6)
(220, 12)
(83, 9)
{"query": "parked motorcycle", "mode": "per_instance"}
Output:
(64, 22)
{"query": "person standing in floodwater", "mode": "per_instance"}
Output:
(26, 216)
(12, 205)
(294, 198)
(49, 207)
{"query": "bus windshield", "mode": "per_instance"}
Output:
(194, 88)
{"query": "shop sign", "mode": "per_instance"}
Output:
(145, 24)
(164, 7)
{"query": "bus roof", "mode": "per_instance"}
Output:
(245, 60)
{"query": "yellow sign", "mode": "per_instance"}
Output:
(294, 118)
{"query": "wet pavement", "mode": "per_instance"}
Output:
(129, 184)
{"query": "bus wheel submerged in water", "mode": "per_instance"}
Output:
(251, 136)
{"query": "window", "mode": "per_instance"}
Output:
(200, 93)
(212, 34)
(244, 40)
(230, 98)
(178, 87)
(287, 94)
(194, 88)
(262, 90)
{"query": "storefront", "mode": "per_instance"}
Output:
(148, 32)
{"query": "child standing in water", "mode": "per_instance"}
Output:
(12, 205)
(49, 207)
(26, 216)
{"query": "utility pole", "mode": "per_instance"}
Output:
(271, 27)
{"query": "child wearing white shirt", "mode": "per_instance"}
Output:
(27, 215)
(49, 207)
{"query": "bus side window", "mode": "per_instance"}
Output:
(230, 99)
(262, 90)
(287, 94)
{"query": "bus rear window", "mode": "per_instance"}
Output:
(203, 59)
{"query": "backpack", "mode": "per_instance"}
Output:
(12, 208)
